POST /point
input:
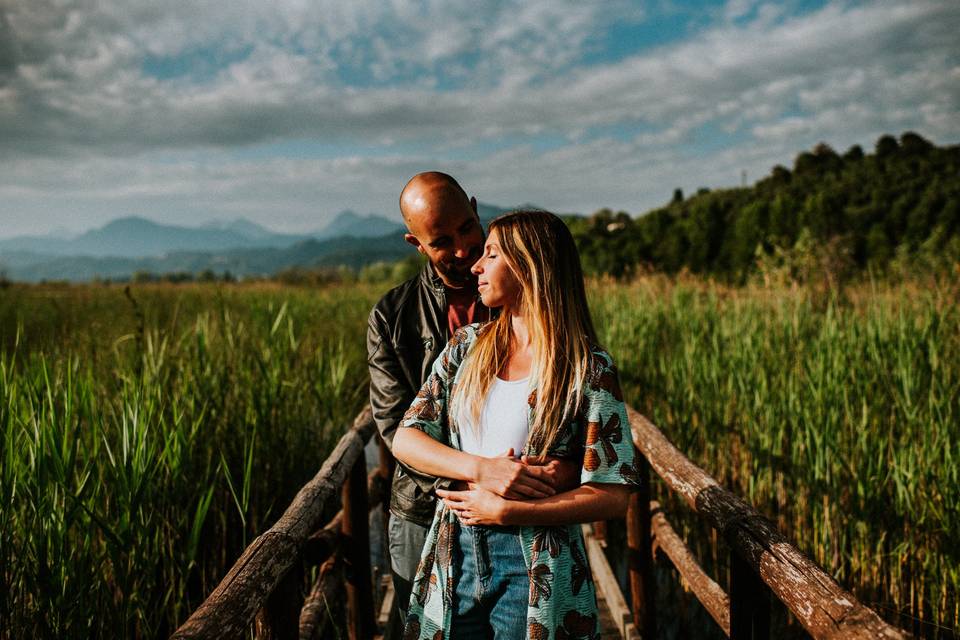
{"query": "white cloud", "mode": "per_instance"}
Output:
(443, 79)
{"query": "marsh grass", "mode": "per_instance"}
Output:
(838, 415)
(145, 439)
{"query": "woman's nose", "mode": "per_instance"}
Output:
(476, 269)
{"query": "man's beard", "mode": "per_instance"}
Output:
(456, 274)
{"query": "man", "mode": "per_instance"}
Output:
(407, 330)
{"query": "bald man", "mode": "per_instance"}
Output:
(406, 332)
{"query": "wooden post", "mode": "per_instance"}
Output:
(749, 604)
(600, 532)
(356, 547)
(387, 464)
(643, 595)
(279, 617)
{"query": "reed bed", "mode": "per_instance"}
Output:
(147, 437)
(836, 414)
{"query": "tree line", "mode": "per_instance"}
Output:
(896, 209)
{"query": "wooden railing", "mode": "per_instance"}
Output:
(263, 588)
(762, 561)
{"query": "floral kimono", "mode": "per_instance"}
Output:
(562, 603)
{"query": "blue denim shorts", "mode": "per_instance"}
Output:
(490, 600)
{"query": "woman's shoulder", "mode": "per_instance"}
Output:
(455, 351)
(465, 335)
(603, 375)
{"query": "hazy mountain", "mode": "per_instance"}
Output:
(349, 223)
(127, 245)
(488, 212)
(352, 252)
(135, 237)
(244, 227)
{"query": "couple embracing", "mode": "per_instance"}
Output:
(506, 418)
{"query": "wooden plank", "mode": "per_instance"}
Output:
(822, 606)
(608, 587)
(383, 617)
(710, 594)
(355, 528)
(230, 608)
(749, 602)
(643, 585)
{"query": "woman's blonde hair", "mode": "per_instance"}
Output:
(539, 249)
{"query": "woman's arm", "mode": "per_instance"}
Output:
(502, 476)
(586, 503)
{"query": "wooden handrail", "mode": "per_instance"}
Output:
(822, 606)
(229, 610)
(711, 595)
(762, 560)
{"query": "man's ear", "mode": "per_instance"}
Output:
(473, 203)
(412, 240)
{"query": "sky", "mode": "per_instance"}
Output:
(287, 112)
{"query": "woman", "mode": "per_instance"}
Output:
(533, 380)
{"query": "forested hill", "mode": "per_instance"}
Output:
(895, 208)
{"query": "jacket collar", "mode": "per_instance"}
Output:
(429, 278)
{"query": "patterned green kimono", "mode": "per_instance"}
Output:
(562, 603)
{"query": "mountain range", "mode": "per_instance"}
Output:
(125, 246)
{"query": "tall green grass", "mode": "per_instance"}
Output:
(837, 415)
(147, 438)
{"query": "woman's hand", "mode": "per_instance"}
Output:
(515, 480)
(475, 506)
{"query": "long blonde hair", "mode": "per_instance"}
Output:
(539, 249)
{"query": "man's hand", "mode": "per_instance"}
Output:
(515, 480)
(564, 473)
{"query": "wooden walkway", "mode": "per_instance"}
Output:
(263, 591)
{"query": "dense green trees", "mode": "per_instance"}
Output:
(895, 209)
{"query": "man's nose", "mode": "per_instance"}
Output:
(461, 252)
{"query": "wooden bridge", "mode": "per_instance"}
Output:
(262, 592)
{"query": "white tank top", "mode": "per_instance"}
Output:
(504, 421)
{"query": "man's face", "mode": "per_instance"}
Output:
(452, 239)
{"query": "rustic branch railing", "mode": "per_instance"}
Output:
(264, 568)
(264, 584)
(762, 561)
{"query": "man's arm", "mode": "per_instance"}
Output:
(390, 394)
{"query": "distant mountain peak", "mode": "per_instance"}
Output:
(350, 223)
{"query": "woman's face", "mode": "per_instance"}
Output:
(496, 283)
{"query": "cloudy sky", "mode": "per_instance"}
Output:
(287, 112)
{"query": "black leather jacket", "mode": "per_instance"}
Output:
(406, 332)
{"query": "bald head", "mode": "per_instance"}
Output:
(431, 194)
(442, 224)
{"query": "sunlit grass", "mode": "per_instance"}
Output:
(837, 415)
(146, 439)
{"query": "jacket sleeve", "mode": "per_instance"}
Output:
(609, 455)
(390, 393)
